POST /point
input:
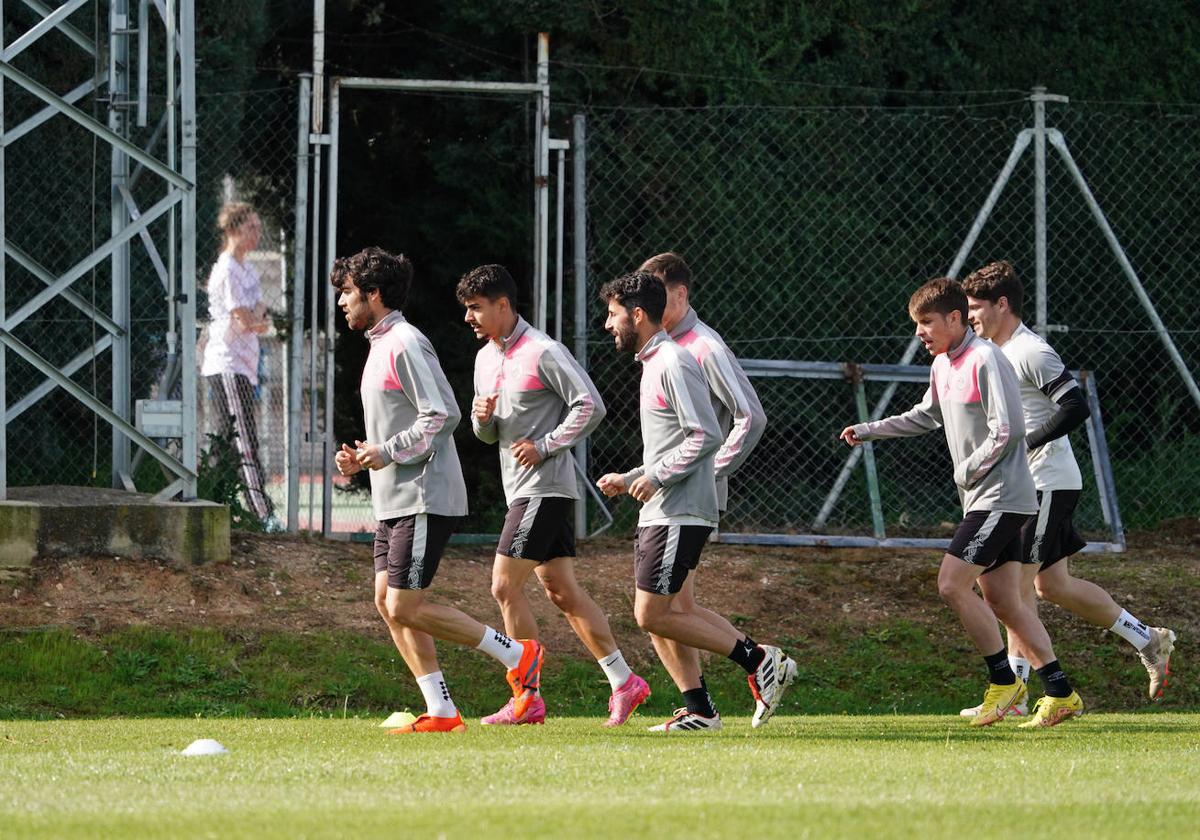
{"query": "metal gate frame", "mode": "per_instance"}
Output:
(329, 140)
(856, 376)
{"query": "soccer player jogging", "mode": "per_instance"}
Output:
(741, 419)
(678, 492)
(535, 401)
(417, 488)
(1053, 407)
(973, 394)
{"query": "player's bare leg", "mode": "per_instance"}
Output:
(583, 614)
(768, 669)
(956, 586)
(509, 575)
(416, 648)
(1002, 589)
(1095, 606)
(522, 658)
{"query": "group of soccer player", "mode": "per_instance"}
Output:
(535, 401)
(1006, 403)
(700, 419)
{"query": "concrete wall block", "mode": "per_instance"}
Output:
(85, 521)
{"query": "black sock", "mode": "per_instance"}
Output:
(749, 641)
(748, 656)
(698, 702)
(1054, 680)
(999, 671)
(707, 693)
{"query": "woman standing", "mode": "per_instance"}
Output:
(237, 318)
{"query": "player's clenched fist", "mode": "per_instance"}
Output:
(526, 453)
(484, 407)
(850, 437)
(346, 460)
(611, 484)
(642, 489)
(370, 455)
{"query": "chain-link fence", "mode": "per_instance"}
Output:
(808, 229)
(259, 168)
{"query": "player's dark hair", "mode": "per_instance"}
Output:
(490, 281)
(994, 281)
(941, 295)
(671, 268)
(374, 268)
(641, 289)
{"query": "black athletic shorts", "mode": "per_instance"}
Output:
(1051, 536)
(539, 528)
(989, 538)
(409, 548)
(664, 554)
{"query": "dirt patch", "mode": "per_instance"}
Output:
(302, 584)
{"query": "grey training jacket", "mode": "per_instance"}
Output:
(973, 393)
(680, 435)
(410, 409)
(544, 395)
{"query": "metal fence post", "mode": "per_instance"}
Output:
(3, 291)
(295, 365)
(579, 246)
(187, 276)
(1039, 206)
(118, 121)
(541, 184)
(860, 403)
(327, 439)
(1101, 465)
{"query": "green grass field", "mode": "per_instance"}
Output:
(1103, 775)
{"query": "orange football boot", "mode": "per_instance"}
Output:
(526, 678)
(429, 723)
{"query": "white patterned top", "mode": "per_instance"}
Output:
(230, 348)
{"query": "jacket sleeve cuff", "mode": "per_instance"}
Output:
(388, 448)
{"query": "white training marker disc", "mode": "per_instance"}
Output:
(204, 746)
(398, 719)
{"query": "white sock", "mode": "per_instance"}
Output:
(615, 669)
(498, 646)
(1131, 630)
(1020, 666)
(437, 696)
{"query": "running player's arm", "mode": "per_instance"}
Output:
(1001, 418)
(1045, 369)
(415, 368)
(686, 393)
(559, 370)
(923, 417)
(732, 387)
(488, 432)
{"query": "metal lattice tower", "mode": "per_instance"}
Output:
(121, 84)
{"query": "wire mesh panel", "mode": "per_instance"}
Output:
(250, 157)
(808, 229)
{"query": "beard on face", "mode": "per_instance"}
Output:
(625, 338)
